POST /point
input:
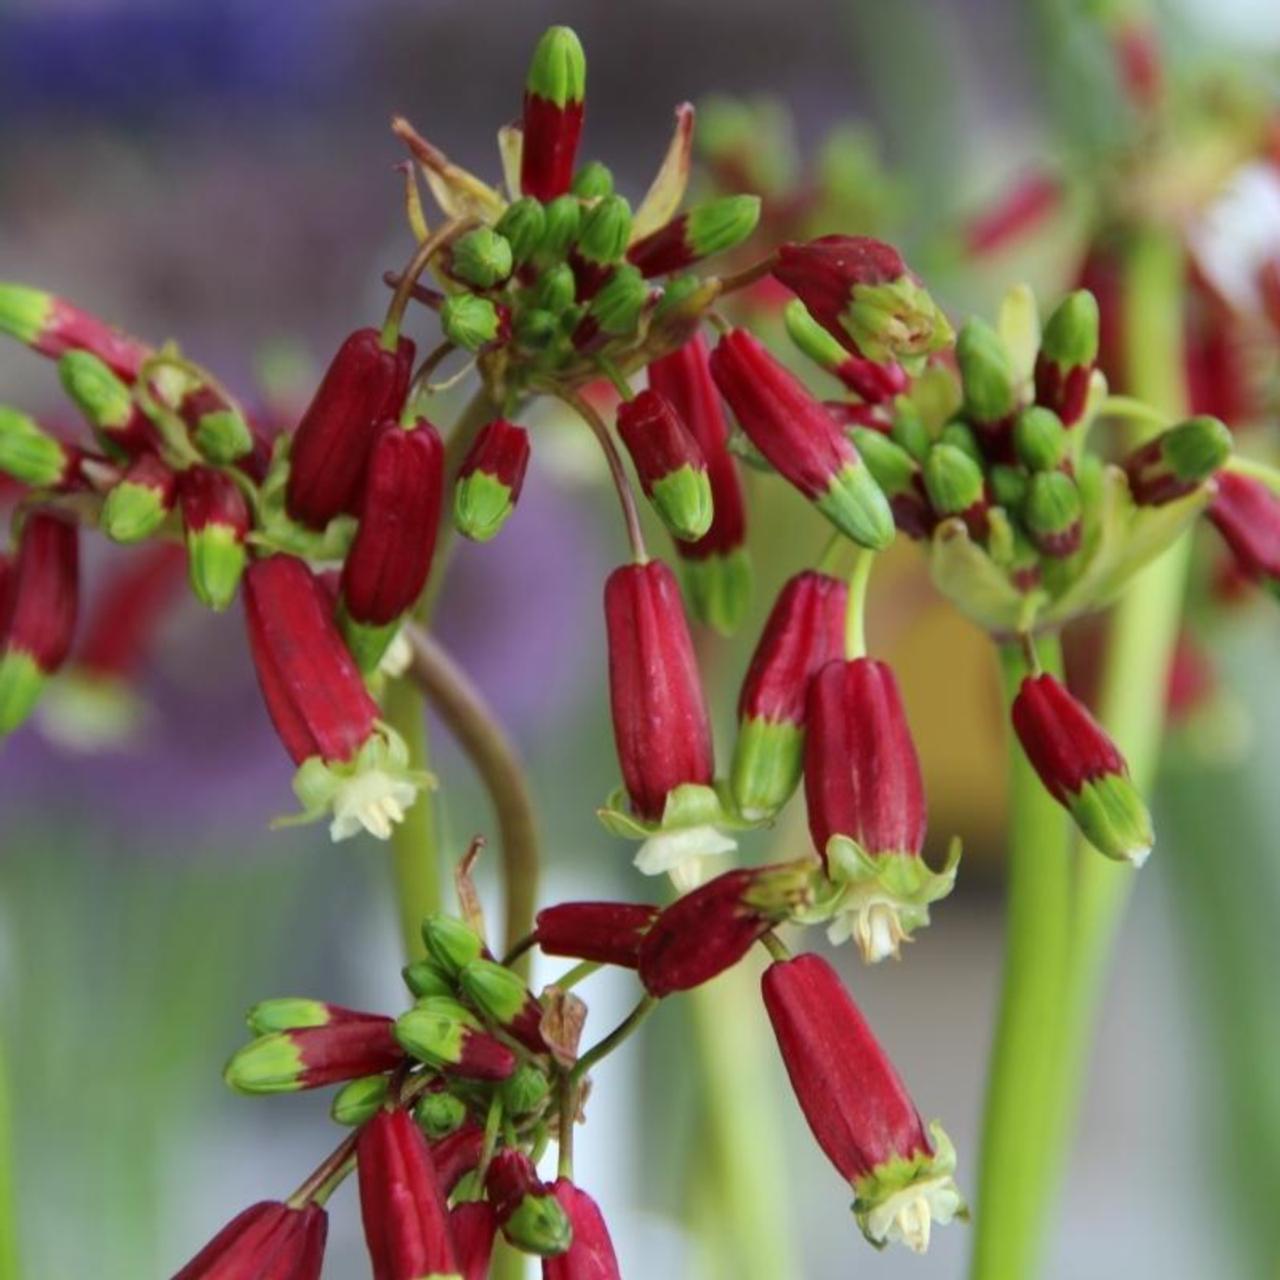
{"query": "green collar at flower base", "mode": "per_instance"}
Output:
(692, 829)
(878, 900)
(369, 793)
(902, 1198)
(277, 532)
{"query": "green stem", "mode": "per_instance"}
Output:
(1007, 1222)
(10, 1268)
(621, 1033)
(855, 618)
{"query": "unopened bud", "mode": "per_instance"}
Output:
(137, 505)
(439, 1114)
(990, 384)
(482, 258)
(1039, 438)
(523, 225)
(359, 1100)
(593, 181)
(1052, 513)
(1177, 461)
(469, 321)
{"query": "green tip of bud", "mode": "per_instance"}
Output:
(102, 397)
(961, 435)
(21, 683)
(27, 453)
(606, 228)
(469, 321)
(893, 468)
(767, 760)
(132, 512)
(359, 1100)
(270, 1064)
(683, 502)
(481, 505)
(24, 312)
(952, 479)
(593, 181)
(721, 224)
(855, 504)
(563, 220)
(497, 992)
(990, 384)
(540, 1226)
(215, 564)
(558, 71)
(1195, 449)
(1009, 486)
(811, 338)
(223, 436)
(482, 257)
(426, 978)
(525, 1090)
(439, 1114)
(621, 299)
(910, 430)
(450, 942)
(367, 643)
(433, 1030)
(898, 320)
(1070, 337)
(1113, 818)
(1039, 438)
(522, 225)
(537, 329)
(557, 288)
(718, 589)
(1052, 505)
(286, 1014)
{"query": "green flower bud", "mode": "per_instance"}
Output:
(286, 1013)
(1051, 513)
(223, 436)
(439, 1114)
(811, 338)
(605, 231)
(359, 1100)
(563, 219)
(426, 978)
(717, 589)
(1039, 438)
(621, 299)
(960, 433)
(539, 1226)
(526, 1090)
(1009, 486)
(990, 384)
(893, 468)
(537, 329)
(523, 225)
(137, 505)
(721, 224)
(1070, 337)
(592, 182)
(451, 943)
(498, 993)
(469, 321)
(482, 257)
(28, 453)
(556, 289)
(100, 395)
(952, 479)
(558, 69)
(910, 430)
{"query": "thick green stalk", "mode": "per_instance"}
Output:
(9, 1267)
(1010, 1207)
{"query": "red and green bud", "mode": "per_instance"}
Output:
(804, 631)
(1177, 461)
(1068, 352)
(959, 433)
(53, 326)
(602, 241)
(526, 1090)
(309, 1057)
(557, 289)
(660, 720)
(481, 258)
(529, 1215)
(349, 763)
(862, 293)
(554, 100)
(140, 502)
(563, 221)
(387, 566)
(447, 1036)
(455, 1156)
(873, 382)
(427, 978)
(32, 456)
(451, 942)
(900, 479)
(956, 487)
(593, 181)
(216, 519)
(1052, 512)
(987, 372)
(268, 1241)
(501, 996)
(39, 596)
(105, 399)
(1247, 515)
(603, 932)
(402, 1204)
(523, 225)
(360, 1100)
(800, 439)
(709, 930)
(473, 1226)
(293, 1013)
(363, 386)
(702, 232)
(439, 1114)
(1039, 439)
(219, 429)
(615, 310)
(866, 803)
(858, 1109)
(672, 470)
(490, 479)
(1082, 769)
(717, 571)
(591, 1255)
(471, 322)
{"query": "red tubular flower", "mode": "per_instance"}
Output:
(1082, 769)
(348, 762)
(590, 1256)
(554, 102)
(1247, 515)
(473, 1226)
(216, 519)
(804, 631)
(311, 1057)
(857, 1108)
(38, 606)
(709, 930)
(660, 718)
(1021, 209)
(872, 382)
(52, 326)
(531, 1217)
(800, 439)
(717, 568)
(867, 807)
(268, 1241)
(672, 470)
(605, 932)
(490, 479)
(363, 385)
(455, 1156)
(406, 1224)
(861, 291)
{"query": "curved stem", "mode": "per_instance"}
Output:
(409, 276)
(617, 1036)
(1007, 1222)
(855, 618)
(748, 275)
(617, 471)
(463, 709)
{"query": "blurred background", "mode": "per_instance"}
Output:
(220, 171)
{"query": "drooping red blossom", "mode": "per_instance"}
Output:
(668, 460)
(591, 1255)
(490, 479)
(473, 1225)
(604, 932)
(268, 1241)
(1247, 515)
(456, 1155)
